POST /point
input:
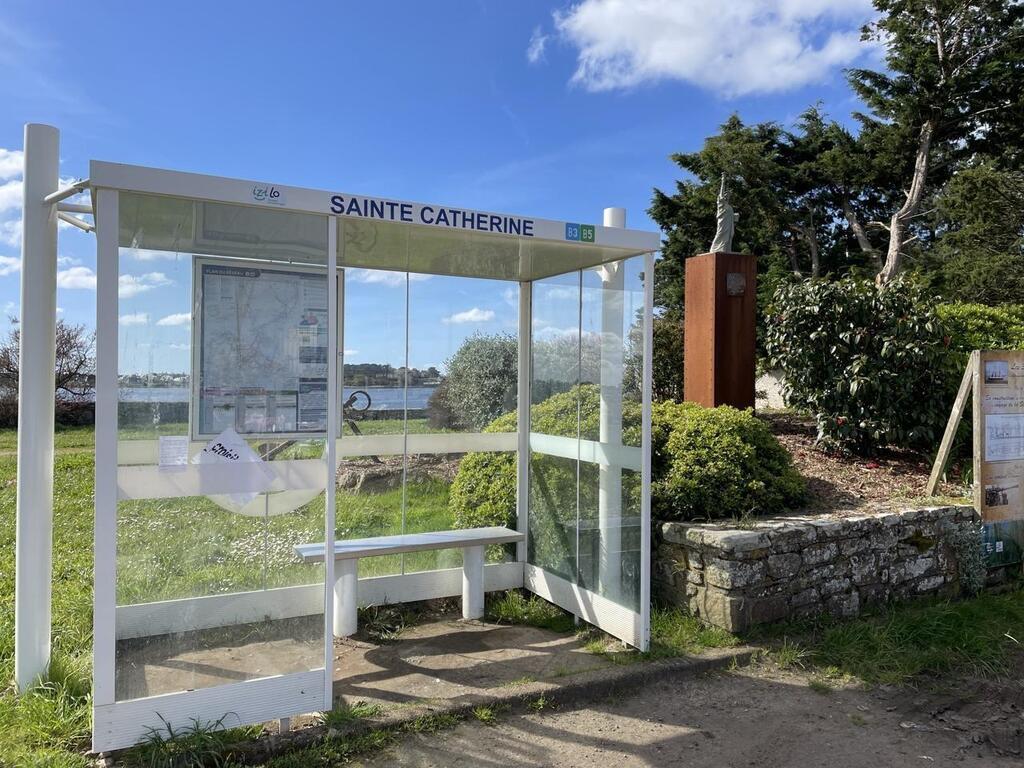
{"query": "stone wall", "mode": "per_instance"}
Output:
(789, 567)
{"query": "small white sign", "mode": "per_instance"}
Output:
(173, 453)
(1004, 437)
(230, 448)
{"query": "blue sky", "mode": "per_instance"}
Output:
(547, 109)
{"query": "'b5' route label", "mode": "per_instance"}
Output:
(581, 232)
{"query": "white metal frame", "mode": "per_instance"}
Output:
(105, 585)
(34, 548)
(133, 178)
(118, 724)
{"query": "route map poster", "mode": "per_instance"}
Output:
(261, 349)
(999, 418)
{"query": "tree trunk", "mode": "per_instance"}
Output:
(811, 236)
(794, 257)
(900, 219)
(862, 236)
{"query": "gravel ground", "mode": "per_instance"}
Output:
(849, 484)
(753, 717)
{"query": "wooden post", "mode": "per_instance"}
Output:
(967, 385)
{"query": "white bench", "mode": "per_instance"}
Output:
(472, 542)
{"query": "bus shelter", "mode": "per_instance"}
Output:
(288, 327)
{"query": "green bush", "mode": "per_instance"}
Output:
(870, 363)
(718, 462)
(970, 327)
(480, 384)
(706, 463)
(976, 326)
(484, 490)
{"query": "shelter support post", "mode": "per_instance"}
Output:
(346, 610)
(609, 573)
(472, 582)
(523, 415)
(34, 547)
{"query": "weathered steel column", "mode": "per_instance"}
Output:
(719, 329)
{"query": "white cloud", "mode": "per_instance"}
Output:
(76, 278)
(144, 254)
(10, 195)
(180, 318)
(10, 232)
(545, 332)
(138, 318)
(67, 261)
(382, 276)
(9, 265)
(351, 352)
(132, 285)
(559, 293)
(731, 48)
(11, 162)
(535, 50)
(474, 315)
(179, 346)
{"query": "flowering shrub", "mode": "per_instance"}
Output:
(872, 364)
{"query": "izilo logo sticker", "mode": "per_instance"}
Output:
(582, 232)
(266, 193)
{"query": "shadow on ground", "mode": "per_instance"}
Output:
(743, 718)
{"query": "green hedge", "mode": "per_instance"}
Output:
(706, 463)
(976, 326)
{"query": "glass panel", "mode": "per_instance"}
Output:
(427, 488)
(375, 379)
(552, 537)
(369, 503)
(610, 415)
(463, 347)
(585, 510)
(633, 330)
(206, 528)
(463, 344)
(370, 495)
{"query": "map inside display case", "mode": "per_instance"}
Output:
(260, 349)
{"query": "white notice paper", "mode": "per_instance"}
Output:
(173, 453)
(1004, 437)
(229, 448)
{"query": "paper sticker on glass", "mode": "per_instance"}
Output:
(262, 349)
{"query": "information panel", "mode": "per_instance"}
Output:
(999, 464)
(260, 349)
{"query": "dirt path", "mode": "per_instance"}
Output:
(754, 717)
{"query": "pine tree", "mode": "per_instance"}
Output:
(955, 80)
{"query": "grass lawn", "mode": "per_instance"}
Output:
(50, 727)
(167, 549)
(65, 438)
(977, 637)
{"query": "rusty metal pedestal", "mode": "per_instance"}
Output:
(721, 301)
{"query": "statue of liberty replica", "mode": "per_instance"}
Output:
(726, 222)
